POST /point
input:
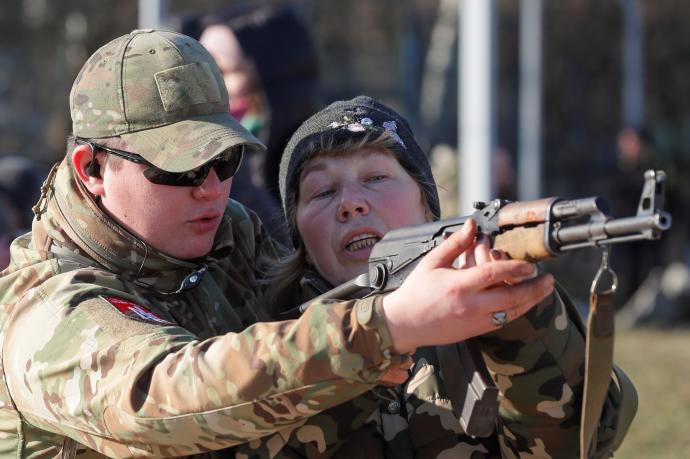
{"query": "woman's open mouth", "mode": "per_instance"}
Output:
(362, 241)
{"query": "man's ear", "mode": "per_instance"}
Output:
(87, 166)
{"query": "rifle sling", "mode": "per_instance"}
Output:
(598, 367)
(69, 449)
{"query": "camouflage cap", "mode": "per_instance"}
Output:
(163, 94)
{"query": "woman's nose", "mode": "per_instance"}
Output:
(352, 203)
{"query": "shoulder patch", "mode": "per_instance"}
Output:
(136, 311)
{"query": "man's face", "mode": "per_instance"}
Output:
(179, 221)
(347, 203)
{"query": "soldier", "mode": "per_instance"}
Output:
(351, 173)
(133, 321)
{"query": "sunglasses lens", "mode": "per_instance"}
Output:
(225, 166)
(190, 178)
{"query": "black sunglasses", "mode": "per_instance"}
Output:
(225, 165)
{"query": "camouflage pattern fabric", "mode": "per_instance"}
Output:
(536, 362)
(96, 348)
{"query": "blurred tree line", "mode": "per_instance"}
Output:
(380, 48)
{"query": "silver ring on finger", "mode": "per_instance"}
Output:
(499, 318)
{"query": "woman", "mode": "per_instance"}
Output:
(351, 173)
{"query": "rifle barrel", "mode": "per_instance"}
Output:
(611, 231)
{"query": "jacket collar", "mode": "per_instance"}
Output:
(312, 284)
(75, 222)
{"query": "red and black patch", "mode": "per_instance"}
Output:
(136, 311)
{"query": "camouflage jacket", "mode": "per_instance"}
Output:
(133, 353)
(536, 362)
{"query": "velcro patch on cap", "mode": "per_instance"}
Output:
(136, 311)
(187, 85)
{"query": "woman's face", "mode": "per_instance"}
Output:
(347, 203)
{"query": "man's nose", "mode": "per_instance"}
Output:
(212, 187)
(352, 203)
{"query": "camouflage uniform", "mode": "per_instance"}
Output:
(537, 364)
(95, 350)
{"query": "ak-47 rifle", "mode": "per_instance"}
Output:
(531, 230)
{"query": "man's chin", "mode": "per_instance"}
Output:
(192, 251)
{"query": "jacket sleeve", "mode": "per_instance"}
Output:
(130, 388)
(537, 362)
(253, 238)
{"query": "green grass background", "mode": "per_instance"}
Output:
(658, 362)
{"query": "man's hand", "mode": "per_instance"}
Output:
(439, 304)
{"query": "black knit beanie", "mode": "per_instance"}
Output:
(353, 119)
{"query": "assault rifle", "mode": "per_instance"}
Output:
(530, 230)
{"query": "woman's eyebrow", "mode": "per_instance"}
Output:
(313, 167)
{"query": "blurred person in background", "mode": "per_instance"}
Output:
(653, 287)
(247, 105)
(270, 69)
(633, 261)
(504, 174)
(20, 187)
(6, 236)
